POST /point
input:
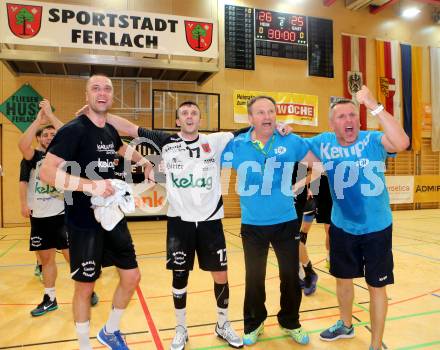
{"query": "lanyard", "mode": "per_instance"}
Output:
(257, 145)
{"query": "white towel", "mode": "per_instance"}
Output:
(110, 210)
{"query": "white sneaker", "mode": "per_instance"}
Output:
(179, 339)
(228, 334)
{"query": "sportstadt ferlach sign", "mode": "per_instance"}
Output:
(61, 25)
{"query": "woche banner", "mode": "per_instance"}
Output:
(62, 25)
(291, 108)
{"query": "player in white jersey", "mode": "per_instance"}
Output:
(192, 167)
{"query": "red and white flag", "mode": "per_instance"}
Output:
(387, 72)
(354, 69)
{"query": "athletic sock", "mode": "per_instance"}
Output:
(82, 332)
(50, 292)
(221, 292)
(308, 269)
(114, 319)
(180, 317)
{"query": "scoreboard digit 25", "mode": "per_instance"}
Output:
(280, 27)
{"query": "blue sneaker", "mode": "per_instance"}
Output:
(337, 331)
(310, 284)
(113, 341)
(252, 337)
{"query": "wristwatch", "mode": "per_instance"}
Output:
(379, 108)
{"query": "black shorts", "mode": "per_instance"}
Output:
(185, 238)
(324, 202)
(91, 249)
(368, 255)
(48, 233)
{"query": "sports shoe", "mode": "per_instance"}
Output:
(45, 306)
(252, 337)
(94, 299)
(299, 335)
(228, 334)
(310, 284)
(179, 339)
(113, 341)
(337, 331)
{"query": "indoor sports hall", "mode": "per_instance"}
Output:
(350, 88)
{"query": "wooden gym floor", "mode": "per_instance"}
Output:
(413, 320)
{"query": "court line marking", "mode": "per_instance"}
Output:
(8, 249)
(419, 346)
(151, 325)
(68, 341)
(368, 328)
(416, 254)
(359, 324)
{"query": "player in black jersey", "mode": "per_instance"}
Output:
(80, 160)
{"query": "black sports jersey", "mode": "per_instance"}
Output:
(90, 152)
(25, 170)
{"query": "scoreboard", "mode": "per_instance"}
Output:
(280, 34)
(280, 27)
(250, 32)
(239, 37)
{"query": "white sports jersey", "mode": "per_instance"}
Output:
(46, 200)
(192, 174)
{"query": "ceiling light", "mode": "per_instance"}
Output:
(410, 12)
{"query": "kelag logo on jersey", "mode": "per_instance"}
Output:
(185, 182)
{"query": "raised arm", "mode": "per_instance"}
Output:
(394, 139)
(131, 154)
(44, 116)
(51, 117)
(123, 125)
(25, 141)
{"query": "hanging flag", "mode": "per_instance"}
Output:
(387, 72)
(412, 93)
(417, 105)
(354, 69)
(435, 98)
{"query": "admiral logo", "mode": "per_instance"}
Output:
(425, 188)
(24, 20)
